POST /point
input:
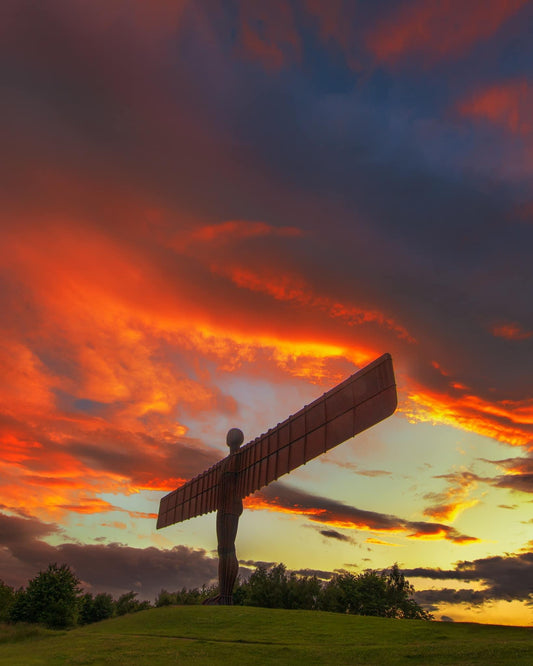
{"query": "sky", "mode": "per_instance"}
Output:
(213, 212)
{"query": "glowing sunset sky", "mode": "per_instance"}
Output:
(212, 212)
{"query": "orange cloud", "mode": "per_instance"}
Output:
(379, 542)
(92, 399)
(506, 420)
(507, 105)
(287, 287)
(511, 331)
(242, 229)
(106, 355)
(115, 524)
(454, 500)
(438, 29)
(282, 498)
(92, 505)
(437, 532)
(449, 512)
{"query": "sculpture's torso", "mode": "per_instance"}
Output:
(229, 501)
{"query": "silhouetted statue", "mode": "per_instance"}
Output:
(356, 404)
(228, 513)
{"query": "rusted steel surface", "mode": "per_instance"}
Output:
(361, 401)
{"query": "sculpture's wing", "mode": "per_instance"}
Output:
(194, 498)
(361, 401)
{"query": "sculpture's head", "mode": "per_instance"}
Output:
(234, 439)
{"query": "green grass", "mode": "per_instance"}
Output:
(14, 633)
(242, 635)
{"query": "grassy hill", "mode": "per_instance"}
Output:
(245, 635)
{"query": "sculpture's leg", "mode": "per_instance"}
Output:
(228, 565)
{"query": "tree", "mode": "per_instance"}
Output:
(50, 598)
(303, 592)
(95, 609)
(340, 594)
(384, 594)
(267, 587)
(165, 598)
(7, 599)
(127, 603)
(400, 601)
(275, 587)
(20, 609)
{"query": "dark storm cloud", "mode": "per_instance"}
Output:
(16, 531)
(520, 482)
(323, 510)
(450, 596)
(117, 568)
(113, 567)
(23, 551)
(505, 577)
(256, 563)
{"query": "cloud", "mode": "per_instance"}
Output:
(505, 420)
(284, 498)
(506, 105)
(333, 534)
(454, 500)
(79, 466)
(118, 325)
(511, 331)
(450, 596)
(353, 467)
(268, 33)
(113, 568)
(505, 577)
(238, 229)
(519, 482)
(518, 476)
(319, 573)
(379, 542)
(293, 289)
(437, 29)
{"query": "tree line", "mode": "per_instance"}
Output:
(54, 597)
